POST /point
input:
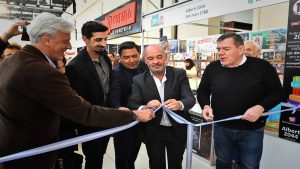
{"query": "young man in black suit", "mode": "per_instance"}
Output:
(127, 143)
(168, 86)
(89, 74)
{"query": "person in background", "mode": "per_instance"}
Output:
(127, 143)
(238, 85)
(252, 49)
(89, 74)
(192, 73)
(43, 94)
(10, 50)
(12, 31)
(167, 86)
(114, 59)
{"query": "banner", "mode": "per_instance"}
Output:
(123, 20)
(200, 9)
(290, 123)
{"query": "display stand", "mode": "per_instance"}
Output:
(202, 141)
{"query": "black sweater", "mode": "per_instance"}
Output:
(234, 90)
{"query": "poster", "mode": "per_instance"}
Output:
(173, 46)
(202, 139)
(270, 39)
(290, 123)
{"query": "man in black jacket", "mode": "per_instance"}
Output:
(127, 143)
(168, 86)
(89, 75)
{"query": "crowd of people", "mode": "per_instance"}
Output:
(98, 90)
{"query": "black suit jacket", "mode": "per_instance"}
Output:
(83, 77)
(121, 84)
(176, 87)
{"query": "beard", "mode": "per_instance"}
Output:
(102, 51)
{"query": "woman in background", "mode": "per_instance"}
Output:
(113, 58)
(192, 73)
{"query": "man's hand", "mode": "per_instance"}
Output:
(253, 113)
(153, 104)
(172, 104)
(207, 113)
(144, 115)
(13, 30)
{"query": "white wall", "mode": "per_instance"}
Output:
(186, 31)
(275, 16)
(243, 16)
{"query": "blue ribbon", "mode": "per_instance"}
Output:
(182, 120)
(65, 143)
(92, 136)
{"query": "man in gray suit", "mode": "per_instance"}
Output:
(162, 85)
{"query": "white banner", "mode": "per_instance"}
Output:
(200, 9)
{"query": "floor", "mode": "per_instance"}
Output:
(142, 160)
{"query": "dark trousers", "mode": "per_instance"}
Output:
(164, 139)
(127, 144)
(248, 144)
(94, 150)
(67, 159)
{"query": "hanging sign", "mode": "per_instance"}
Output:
(200, 9)
(124, 20)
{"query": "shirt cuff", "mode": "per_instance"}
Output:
(182, 106)
(141, 107)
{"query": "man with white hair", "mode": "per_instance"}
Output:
(34, 95)
(252, 49)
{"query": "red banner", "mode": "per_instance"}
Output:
(121, 17)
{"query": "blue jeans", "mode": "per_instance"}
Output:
(248, 144)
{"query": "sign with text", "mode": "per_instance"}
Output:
(124, 20)
(289, 122)
(200, 9)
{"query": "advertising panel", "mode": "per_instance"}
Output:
(290, 122)
(124, 20)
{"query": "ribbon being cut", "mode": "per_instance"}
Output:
(92, 136)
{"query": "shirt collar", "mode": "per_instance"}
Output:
(243, 60)
(50, 61)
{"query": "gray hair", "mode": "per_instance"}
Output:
(257, 46)
(47, 23)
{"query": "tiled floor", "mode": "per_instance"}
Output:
(142, 160)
